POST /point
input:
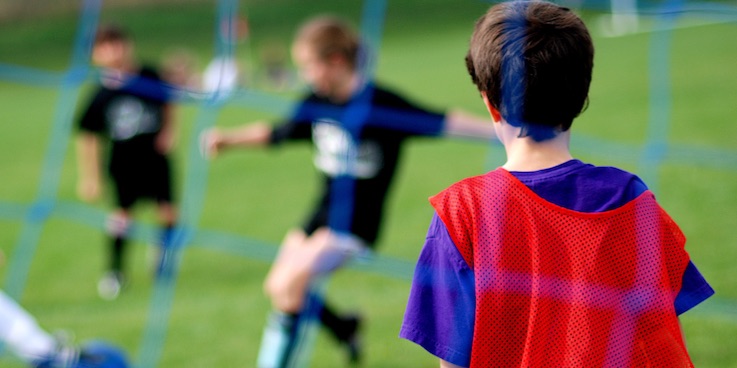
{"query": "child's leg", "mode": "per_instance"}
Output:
(279, 340)
(345, 329)
(280, 333)
(20, 332)
(168, 218)
(118, 225)
(290, 273)
(301, 259)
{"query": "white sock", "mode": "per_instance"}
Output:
(20, 332)
(277, 341)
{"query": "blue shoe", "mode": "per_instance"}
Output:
(94, 354)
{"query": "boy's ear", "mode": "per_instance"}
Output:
(495, 115)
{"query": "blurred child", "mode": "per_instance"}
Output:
(275, 63)
(223, 74)
(24, 338)
(131, 112)
(358, 129)
(547, 261)
(22, 335)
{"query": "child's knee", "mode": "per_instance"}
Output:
(286, 290)
(117, 225)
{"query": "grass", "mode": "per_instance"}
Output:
(218, 309)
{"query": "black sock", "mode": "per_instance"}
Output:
(117, 249)
(340, 327)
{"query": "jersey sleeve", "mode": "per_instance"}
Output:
(151, 86)
(394, 112)
(694, 289)
(287, 131)
(298, 126)
(92, 118)
(441, 308)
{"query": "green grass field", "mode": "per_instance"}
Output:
(218, 309)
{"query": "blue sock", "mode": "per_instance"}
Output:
(163, 268)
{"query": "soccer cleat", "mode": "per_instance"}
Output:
(353, 342)
(98, 354)
(110, 285)
(62, 357)
(95, 354)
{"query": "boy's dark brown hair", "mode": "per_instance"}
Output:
(534, 61)
(111, 33)
(329, 36)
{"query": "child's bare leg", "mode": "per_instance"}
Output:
(300, 261)
(292, 271)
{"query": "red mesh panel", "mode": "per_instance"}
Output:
(559, 288)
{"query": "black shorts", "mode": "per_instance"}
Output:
(145, 180)
(320, 218)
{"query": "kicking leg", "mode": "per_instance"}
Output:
(300, 261)
(21, 333)
(280, 335)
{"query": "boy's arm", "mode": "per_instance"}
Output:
(165, 138)
(460, 123)
(252, 135)
(88, 159)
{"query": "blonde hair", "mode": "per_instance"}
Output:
(329, 36)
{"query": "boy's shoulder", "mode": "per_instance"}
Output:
(472, 186)
(386, 96)
(574, 185)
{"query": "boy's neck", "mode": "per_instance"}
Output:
(525, 154)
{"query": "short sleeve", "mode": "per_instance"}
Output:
(289, 131)
(298, 126)
(440, 311)
(92, 118)
(694, 289)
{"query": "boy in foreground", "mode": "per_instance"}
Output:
(358, 129)
(547, 261)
